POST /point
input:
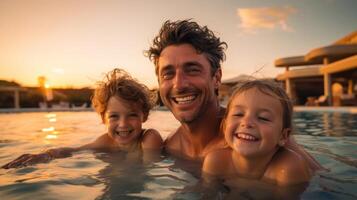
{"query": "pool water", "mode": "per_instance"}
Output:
(329, 137)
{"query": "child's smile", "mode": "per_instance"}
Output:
(123, 133)
(246, 137)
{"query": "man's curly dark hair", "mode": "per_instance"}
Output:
(188, 32)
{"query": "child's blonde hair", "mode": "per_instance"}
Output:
(119, 83)
(268, 87)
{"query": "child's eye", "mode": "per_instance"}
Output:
(239, 114)
(133, 115)
(264, 118)
(113, 116)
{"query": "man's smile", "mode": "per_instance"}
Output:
(184, 99)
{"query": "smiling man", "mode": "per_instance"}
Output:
(188, 66)
(187, 60)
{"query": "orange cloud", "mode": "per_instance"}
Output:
(253, 19)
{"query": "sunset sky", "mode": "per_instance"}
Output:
(73, 42)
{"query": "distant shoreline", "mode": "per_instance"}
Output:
(26, 110)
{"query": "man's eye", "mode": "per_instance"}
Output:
(194, 71)
(167, 75)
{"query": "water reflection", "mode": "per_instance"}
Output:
(132, 176)
(329, 137)
(325, 124)
(240, 188)
(128, 176)
(123, 175)
(49, 129)
(52, 134)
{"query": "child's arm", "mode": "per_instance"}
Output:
(101, 143)
(50, 154)
(312, 163)
(217, 164)
(30, 159)
(289, 168)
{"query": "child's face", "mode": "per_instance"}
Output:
(124, 121)
(253, 126)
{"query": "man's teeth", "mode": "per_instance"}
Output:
(186, 99)
(246, 137)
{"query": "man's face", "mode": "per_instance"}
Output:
(185, 82)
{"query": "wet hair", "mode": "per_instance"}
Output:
(188, 32)
(268, 87)
(119, 83)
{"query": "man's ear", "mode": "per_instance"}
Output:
(284, 137)
(104, 119)
(145, 117)
(222, 126)
(217, 78)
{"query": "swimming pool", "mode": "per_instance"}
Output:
(330, 137)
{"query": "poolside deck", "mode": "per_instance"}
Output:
(349, 109)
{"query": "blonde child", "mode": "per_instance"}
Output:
(256, 127)
(123, 105)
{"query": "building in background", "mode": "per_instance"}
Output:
(227, 87)
(323, 76)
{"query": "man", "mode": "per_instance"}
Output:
(188, 66)
(187, 60)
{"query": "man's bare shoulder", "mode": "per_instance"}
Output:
(216, 143)
(218, 162)
(288, 168)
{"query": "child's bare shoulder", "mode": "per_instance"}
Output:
(102, 142)
(288, 168)
(151, 139)
(218, 162)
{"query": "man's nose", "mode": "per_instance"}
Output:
(180, 80)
